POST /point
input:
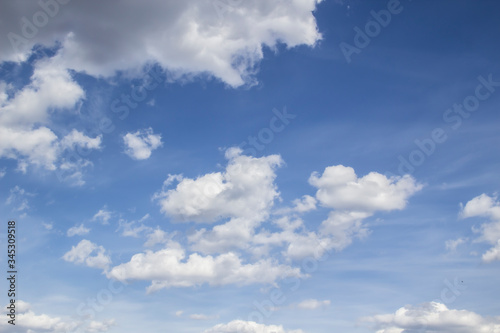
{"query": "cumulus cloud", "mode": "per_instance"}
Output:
(240, 326)
(433, 317)
(169, 267)
(139, 145)
(312, 304)
(89, 254)
(186, 37)
(339, 187)
(488, 207)
(78, 230)
(245, 189)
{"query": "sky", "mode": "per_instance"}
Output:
(251, 166)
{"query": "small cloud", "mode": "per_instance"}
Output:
(48, 226)
(82, 254)
(151, 102)
(103, 215)
(311, 304)
(139, 145)
(17, 198)
(78, 230)
(200, 316)
(2, 172)
(100, 326)
(157, 236)
(452, 244)
(179, 313)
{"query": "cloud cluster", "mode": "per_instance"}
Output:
(25, 120)
(433, 317)
(186, 37)
(488, 207)
(239, 200)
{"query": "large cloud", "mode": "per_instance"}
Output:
(245, 190)
(169, 267)
(489, 207)
(186, 37)
(434, 317)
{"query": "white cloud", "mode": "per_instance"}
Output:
(140, 144)
(78, 139)
(433, 317)
(246, 189)
(24, 117)
(452, 244)
(48, 226)
(28, 321)
(169, 267)
(482, 205)
(301, 205)
(103, 215)
(312, 304)
(18, 199)
(99, 326)
(186, 37)
(339, 187)
(2, 173)
(156, 236)
(489, 207)
(240, 326)
(133, 228)
(201, 316)
(304, 204)
(82, 254)
(78, 230)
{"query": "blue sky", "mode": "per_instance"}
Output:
(251, 166)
